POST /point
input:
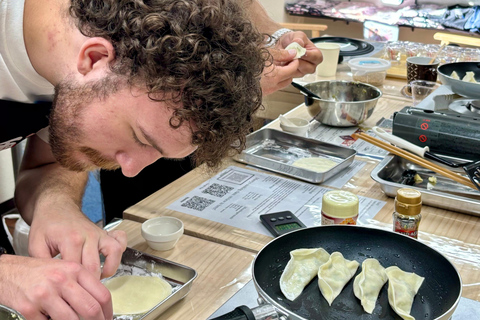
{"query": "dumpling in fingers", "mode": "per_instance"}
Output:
(334, 275)
(368, 283)
(402, 288)
(297, 47)
(300, 270)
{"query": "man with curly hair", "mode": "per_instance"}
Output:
(134, 81)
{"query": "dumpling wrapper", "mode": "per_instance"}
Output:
(301, 51)
(300, 270)
(402, 288)
(369, 282)
(334, 275)
(315, 164)
(137, 294)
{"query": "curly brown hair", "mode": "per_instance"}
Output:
(204, 53)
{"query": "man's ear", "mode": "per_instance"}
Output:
(95, 53)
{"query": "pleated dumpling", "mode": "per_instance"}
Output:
(300, 270)
(300, 50)
(402, 288)
(334, 275)
(369, 282)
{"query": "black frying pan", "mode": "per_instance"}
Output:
(437, 298)
(467, 89)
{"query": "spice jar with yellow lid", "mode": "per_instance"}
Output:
(407, 216)
(339, 207)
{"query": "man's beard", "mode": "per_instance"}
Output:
(66, 133)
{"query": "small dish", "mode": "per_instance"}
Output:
(300, 126)
(162, 233)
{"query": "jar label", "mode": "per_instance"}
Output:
(406, 228)
(328, 220)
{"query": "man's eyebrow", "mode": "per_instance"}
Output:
(151, 141)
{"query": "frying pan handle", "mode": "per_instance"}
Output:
(240, 313)
(399, 142)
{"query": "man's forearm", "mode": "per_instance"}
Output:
(260, 17)
(48, 185)
(43, 183)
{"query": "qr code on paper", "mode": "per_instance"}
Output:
(217, 190)
(197, 203)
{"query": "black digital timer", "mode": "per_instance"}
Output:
(279, 223)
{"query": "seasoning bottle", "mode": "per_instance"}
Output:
(406, 217)
(339, 207)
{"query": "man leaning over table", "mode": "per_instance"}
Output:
(134, 81)
(120, 192)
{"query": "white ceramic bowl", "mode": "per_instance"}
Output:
(300, 126)
(162, 233)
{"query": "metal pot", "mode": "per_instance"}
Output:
(467, 89)
(9, 314)
(436, 299)
(341, 103)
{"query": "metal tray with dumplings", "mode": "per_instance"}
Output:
(445, 193)
(181, 278)
(276, 151)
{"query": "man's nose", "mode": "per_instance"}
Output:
(132, 164)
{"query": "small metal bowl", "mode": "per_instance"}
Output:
(342, 103)
(9, 314)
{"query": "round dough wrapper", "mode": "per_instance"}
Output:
(315, 164)
(137, 294)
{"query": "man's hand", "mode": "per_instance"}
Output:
(68, 232)
(284, 68)
(49, 198)
(308, 63)
(42, 289)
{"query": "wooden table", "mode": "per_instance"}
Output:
(450, 231)
(222, 271)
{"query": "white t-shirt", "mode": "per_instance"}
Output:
(18, 79)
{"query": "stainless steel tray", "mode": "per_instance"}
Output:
(446, 193)
(276, 150)
(139, 263)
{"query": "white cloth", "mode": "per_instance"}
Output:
(18, 79)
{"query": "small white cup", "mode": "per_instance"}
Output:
(162, 233)
(300, 126)
(330, 52)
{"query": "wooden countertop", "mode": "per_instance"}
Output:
(222, 271)
(444, 229)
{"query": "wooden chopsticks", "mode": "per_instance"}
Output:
(415, 159)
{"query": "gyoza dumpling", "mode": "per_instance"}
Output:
(334, 275)
(402, 288)
(300, 270)
(300, 50)
(454, 75)
(469, 77)
(368, 283)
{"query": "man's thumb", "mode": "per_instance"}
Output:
(284, 55)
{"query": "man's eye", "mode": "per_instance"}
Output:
(138, 142)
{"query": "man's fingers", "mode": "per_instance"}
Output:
(120, 236)
(89, 298)
(38, 249)
(282, 56)
(72, 249)
(112, 248)
(91, 258)
(57, 308)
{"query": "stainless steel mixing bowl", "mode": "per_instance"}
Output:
(342, 103)
(9, 314)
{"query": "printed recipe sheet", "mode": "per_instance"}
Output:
(238, 196)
